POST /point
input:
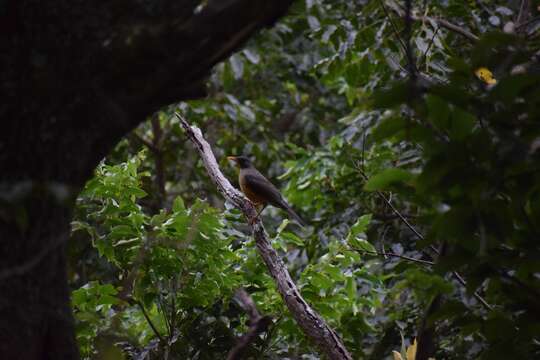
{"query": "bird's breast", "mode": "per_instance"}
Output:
(255, 198)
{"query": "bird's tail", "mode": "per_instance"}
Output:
(294, 215)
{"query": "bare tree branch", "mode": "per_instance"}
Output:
(411, 62)
(449, 26)
(524, 11)
(309, 320)
(149, 321)
(527, 23)
(257, 324)
(408, 258)
(441, 22)
(394, 27)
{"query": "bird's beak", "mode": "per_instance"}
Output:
(232, 158)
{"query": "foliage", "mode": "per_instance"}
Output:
(327, 105)
(174, 263)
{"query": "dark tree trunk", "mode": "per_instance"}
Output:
(75, 78)
(427, 345)
(35, 315)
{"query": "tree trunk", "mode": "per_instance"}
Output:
(34, 302)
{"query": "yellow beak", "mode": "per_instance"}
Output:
(233, 158)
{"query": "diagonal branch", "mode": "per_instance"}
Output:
(149, 321)
(311, 323)
(408, 258)
(524, 12)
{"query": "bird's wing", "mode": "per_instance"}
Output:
(264, 189)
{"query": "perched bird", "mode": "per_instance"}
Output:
(259, 189)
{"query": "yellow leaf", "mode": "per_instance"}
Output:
(485, 75)
(397, 356)
(411, 351)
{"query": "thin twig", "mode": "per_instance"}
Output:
(409, 53)
(173, 286)
(162, 307)
(154, 329)
(385, 217)
(424, 56)
(528, 22)
(411, 68)
(523, 11)
(449, 26)
(462, 281)
(394, 27)
(420, 261)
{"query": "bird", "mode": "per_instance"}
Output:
(259, 189)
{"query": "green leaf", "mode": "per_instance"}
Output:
(438, 110)
(138, 193)
(78, 297)
(361, 225)
(386, 178)
(106, 249)
(508, 88)
(388, 127)
(350, 287)
(178, 205)
(122, 232)
(281, 227)
(334, 272)
(292, 238)
(462, 124)
(361, 244)
(321, 281)
(388, 98)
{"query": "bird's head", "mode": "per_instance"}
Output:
(242, 162)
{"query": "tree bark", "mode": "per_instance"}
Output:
(76, 78)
